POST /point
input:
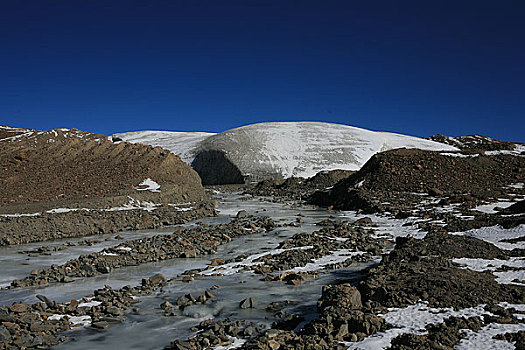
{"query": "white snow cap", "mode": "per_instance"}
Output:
(286, 148)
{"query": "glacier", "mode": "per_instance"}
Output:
(278, 149)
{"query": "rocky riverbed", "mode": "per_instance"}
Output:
(325, 281)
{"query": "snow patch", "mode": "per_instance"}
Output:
(459, 155)
(234, 267)
(411, 319)
(483, 339)
(104, 253)
(517, 151)
(237, 343)
(19, 215)
(503, 277)
(495, 235)
(150, 186)
(64, 210)
(490, 208)
(84, 321)
(90, 303)
(182, 144)
(336, 257)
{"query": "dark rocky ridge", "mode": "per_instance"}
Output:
(396, 175)
(473, 143)
(423, 270)
(45, 227)
(70, 165)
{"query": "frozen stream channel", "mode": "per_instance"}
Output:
(149, 329)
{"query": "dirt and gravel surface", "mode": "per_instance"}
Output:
(66, 183)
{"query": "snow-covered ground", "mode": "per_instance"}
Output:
(517, 271)
(414, 318)
(497, 234)
(519, 150)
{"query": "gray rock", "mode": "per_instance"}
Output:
(355, 299)
(183, 301)
(248, 303)
(242, 214)
(19, 308)
(366, 221)
(5, 336)
(45, 300)
(166, 305)
(156, 279)
(103, 268)
(113, 310)
(67, 279)
(100, 325)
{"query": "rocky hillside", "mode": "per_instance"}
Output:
(413, 173)
(474, 143)
(59, 171)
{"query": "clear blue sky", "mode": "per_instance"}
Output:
(414, 67)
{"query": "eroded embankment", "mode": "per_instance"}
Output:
(68, 183)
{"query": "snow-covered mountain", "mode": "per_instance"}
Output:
(183, 144)
(280, 149)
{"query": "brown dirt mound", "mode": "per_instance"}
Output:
(62, 168)
(71, 165)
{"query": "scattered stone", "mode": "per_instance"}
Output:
(100, 325)
(19, 308)
(157, 279)
(248, 303)
(242, 214)
(166, 306)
